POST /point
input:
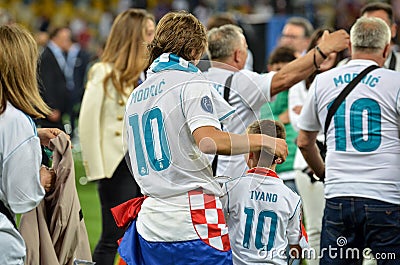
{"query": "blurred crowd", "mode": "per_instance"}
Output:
(90, 21)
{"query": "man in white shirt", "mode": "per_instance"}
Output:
(363, 159)
(249, 90)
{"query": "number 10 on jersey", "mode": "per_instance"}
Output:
(259, 222)
(155, 140)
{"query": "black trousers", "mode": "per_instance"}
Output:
(113, 191)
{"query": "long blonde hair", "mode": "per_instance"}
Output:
(18, 65)
(126, 49)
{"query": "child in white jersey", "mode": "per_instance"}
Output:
(263, 215)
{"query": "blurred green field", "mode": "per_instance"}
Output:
(89, 199)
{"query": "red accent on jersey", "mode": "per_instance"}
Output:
(263, 171)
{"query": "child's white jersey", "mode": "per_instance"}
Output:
(363, 156)
(263, 216)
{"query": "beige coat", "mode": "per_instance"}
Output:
(55, 232)
(101, 125)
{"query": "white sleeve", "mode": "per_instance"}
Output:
(223, 109)
(21, 177)
(253, 88)
(296, 98)
(308, 120)
(201, 107)
(294, 226)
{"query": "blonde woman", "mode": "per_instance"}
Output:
(23, 182)
(110, 82)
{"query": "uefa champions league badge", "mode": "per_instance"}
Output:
(206, 104)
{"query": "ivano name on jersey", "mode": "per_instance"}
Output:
(263, 196)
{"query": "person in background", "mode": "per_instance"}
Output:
(263, 214)
(385, 12)
(362, 197)
(75, 72)
(280, 57)
(216, 21)
(52, 80)
(42, 39)
(172, 121)
(24, 182)
(110, 82)
(5, 17)
(248, 90)
(296, 34)
(311, 192)
(62, 71)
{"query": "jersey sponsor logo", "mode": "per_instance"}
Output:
(206, 104)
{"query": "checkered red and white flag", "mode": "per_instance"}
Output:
(208, 219)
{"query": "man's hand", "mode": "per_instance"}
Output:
(281, 150)
(334, 42)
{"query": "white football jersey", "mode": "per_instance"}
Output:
(249, 91)
(363, 156)
(161, 115)
(263, 216)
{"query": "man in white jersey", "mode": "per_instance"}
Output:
(263, 214)
(362, 167)
(173, 120)
(248, 90)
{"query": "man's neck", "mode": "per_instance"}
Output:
(380, 60)
(224, 65)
